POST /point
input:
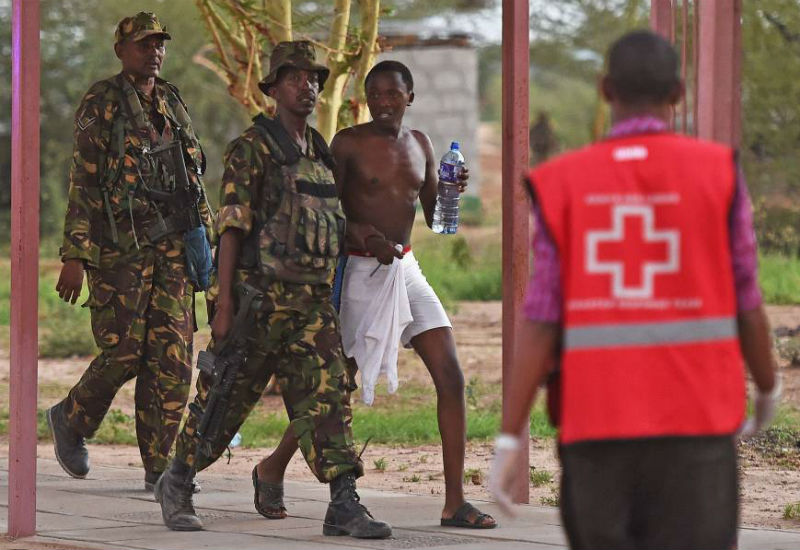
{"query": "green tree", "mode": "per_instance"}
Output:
(770, 89)
(243, 33)
(569, 43)
(771, 118)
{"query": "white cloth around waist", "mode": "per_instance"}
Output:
(382, 310)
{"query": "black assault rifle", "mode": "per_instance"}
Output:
(222, 368)
(182, 194)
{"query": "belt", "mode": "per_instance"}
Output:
(177, 222)
(365, 254)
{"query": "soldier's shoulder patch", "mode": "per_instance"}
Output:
(85, 120)
(94, 103)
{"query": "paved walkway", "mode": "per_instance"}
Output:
(112, 511)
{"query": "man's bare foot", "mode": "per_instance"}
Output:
(271, 475)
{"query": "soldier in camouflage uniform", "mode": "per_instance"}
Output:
(126, 227)
(281, 229)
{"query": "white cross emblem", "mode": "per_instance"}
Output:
(649, 268)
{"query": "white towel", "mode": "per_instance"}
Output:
(378, 321)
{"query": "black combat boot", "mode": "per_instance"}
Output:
(151, 477)
(347, 516)
(70, 446)
(174, 491)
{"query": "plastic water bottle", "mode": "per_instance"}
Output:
(445, 216)
(236, 440)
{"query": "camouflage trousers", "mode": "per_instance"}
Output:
(296, 337)
(142, 321)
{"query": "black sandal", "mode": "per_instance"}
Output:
(268, 497)
(461, 518)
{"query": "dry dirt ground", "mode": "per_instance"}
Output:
(770, 473)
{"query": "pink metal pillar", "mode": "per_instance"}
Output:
(661, 18)
(516, 57)
(719, 71)
(24, 266)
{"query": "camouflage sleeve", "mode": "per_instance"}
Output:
(243, 170)
(206, 215)
(83, 221)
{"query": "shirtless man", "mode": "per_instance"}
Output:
(379, 192)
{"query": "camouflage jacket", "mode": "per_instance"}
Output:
(251, 189)
(97, 170)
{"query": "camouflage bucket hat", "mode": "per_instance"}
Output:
(298, 54)
(141, 25)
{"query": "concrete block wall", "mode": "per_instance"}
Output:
(446, 99)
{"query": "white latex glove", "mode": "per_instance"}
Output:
(501, 473)
(764, 407)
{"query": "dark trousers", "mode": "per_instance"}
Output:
(679, 492)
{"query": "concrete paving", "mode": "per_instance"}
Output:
(111, 510)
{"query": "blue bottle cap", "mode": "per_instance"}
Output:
(454, 146)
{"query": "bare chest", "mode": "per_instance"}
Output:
(393, 169)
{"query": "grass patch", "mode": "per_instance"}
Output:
(4, 422)
(787, 418)
(474, 476)
(117, 428)
(461, 269)
(779, 276)
(550, 500)
(263, 429)
(64, 329)
(457, 271)
(470, 210)
(407, 418)
(380, 464)
(410, 421)
(540, 477)
(792, 511)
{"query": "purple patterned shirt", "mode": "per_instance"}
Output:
(544, 299)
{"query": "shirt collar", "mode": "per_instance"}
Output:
(638, 125)
(157, 96)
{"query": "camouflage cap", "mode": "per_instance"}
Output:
(298, 54)
(141, 25)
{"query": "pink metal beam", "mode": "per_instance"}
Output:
(684, 58)
(24, 266)
(516, 61)
(719, 71)
(661, 18)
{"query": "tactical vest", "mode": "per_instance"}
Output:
(148, 179)
(650, 344)
(301, 239)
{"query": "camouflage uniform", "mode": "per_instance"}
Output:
(140, 297)
(296, 333)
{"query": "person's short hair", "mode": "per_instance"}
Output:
(391, 66)
(643, 67)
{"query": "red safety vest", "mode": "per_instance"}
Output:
(650, 342)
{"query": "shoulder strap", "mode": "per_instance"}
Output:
(174, 89)
(182, 118)
(287, 153)
(321, 148)
(133, 107)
